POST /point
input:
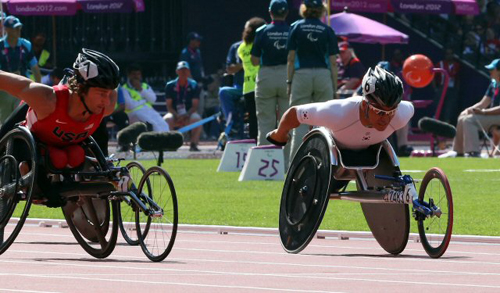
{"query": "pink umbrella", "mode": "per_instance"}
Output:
(360, 29)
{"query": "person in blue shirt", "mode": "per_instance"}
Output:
(17, 57)
(480, 116)
(192, 55)
(269, 51)
(231, 95)
(311, 68)
(182, 98)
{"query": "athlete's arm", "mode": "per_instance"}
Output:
(288, 122)
(41, 98)
(110, 109)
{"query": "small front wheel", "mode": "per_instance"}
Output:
(435, 230)
(127, 207)
(157, 226)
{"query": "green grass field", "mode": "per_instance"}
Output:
(210, 198)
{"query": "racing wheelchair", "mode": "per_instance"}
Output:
(321, 171)
(97, 198)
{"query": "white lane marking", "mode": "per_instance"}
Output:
(244, 274)
(449, 251)
(482, 170)
(218, 260)
(412, 171)
(168, 283)
(27, 291)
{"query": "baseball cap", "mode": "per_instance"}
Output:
(194, 36)
(182, 64)
(343, 44)
(313, 3)
(495, 64)
(278, 6)
(12, 22)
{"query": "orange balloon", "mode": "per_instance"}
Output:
(417, 71)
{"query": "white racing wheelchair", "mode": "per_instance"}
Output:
(320, 171)
(97, 198)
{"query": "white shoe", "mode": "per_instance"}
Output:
(450, 154)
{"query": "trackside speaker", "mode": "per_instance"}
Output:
(264, 163)
(235, 154)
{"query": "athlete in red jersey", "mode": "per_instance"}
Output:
(63, 116)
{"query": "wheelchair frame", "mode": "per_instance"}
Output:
(82, 188)
(385, 205)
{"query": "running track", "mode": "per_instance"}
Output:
(49, 260)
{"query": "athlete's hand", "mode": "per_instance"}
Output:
(276, 138)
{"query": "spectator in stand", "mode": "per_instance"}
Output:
(311, 67)
(41, 53)
(482, 115)
(353, 69)
(17, 57)
(192, 55)
(182, 97)
(269, 51)
(451, 102)
(251, 71)
(492, 45)
(139, 98)
(54, 77)
(396, 63)
(230, 94)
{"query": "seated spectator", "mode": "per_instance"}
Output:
(232, 92)
(139, 98)
(352, 67)
(54, 77)
(211, 106)
(478, 117)
(182, 97)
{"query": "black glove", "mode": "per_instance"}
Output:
(268, 137)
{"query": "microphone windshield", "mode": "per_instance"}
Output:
(437, 127)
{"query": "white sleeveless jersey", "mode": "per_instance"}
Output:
(342, 118)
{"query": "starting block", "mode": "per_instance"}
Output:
(264, 163)
(235, 154)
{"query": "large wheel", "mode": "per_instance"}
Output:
(435, 231)
(15, 190)
(162, 220)
(305, 193)
(389, 223)
(126, 210)
(88, 220)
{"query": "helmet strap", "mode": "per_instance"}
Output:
(85, 105)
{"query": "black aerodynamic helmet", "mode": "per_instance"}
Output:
(383, 87)
(95, 69)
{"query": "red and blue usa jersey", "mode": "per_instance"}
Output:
(58, 129)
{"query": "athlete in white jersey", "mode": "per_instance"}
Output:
(357, 122)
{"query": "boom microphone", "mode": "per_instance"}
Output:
(158, 141)
(129, 134)
(437, 127)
